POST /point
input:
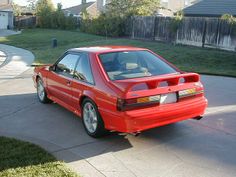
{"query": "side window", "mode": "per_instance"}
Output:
(67, 65)
(83, 70)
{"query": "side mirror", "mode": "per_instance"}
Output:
(52, 68)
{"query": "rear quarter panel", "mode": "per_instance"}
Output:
(104, 94)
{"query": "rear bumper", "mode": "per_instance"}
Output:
(143, 119)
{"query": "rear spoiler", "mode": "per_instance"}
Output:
(153, 82)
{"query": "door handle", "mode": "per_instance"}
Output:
(68, 82)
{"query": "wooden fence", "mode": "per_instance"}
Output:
(25, 22)
(205, 32)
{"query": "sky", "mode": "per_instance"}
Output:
(65, 3)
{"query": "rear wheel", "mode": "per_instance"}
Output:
(92, 120)
(41, 92)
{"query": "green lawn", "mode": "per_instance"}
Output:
(209, 61)
(22, 159)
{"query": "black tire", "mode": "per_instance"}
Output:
(42, 98)
(100, 128)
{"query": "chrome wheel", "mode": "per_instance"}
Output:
(40, 90)
(90, 117)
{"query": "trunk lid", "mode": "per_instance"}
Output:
(148, 86)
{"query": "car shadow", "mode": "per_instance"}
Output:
(61, 133)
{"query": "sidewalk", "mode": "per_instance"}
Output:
(3, 57)
(4, 33)
(13, 62)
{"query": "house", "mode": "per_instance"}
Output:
(170, 7)
(101, 5)
(211, 8)
(6, 14)
(76, 11)
(92, 8)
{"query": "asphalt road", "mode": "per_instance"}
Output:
(205, 148)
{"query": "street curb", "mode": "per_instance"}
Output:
(17, 61)
(3, 54)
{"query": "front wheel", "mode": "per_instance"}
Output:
(41, 92)
(92, 120)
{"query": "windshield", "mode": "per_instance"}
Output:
(133, 64)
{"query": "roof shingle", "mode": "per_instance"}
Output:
(76, 10)
(211, 8)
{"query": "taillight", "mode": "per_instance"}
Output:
(128, 104)
(189, 92)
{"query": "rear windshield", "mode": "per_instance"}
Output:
(133, 64)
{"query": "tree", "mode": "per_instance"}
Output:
(112, 21)
(133, 7)
(43, 6)
(44, 10)
(32, 5)
(60, 17)
(16, 10)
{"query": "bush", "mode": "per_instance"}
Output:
(56, 19)
(229, 18)
(176, 21)
(112, 26)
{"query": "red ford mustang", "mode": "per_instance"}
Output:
(117, 88)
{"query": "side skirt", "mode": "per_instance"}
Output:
(63, 104)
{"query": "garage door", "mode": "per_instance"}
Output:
(3, 20)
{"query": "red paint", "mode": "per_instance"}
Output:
(106, 92)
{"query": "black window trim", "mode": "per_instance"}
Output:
(59, 59)
(72, 77)
(86, 82)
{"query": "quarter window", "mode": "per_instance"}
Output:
(67, 65)
(83, 70)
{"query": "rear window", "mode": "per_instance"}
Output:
(133, 64)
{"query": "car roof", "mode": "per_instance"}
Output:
(105, 49)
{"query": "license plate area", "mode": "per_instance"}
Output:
(168, 98)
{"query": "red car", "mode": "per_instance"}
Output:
(117, 88)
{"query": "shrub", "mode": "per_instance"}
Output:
(229, 18)
(176, 21)
(105, 25)
(56, 19)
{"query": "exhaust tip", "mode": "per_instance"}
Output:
(135, 134)
(198, 118)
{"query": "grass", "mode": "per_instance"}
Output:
(22, 159)
(187, 58)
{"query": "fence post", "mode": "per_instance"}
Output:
(133, 18)
(204, 34)
(217, 32)
(154, 31)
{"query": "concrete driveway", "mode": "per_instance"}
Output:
(204, 148)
